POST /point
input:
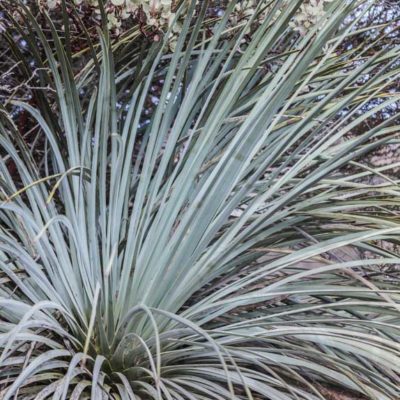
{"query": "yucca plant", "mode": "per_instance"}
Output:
(226, 248)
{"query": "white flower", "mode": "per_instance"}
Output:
(113, 21)
(309, 14)
(52, 4)
(118, 2)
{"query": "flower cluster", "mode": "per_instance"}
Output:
(159, 14)
(309, 14)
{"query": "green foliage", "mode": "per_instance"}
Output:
(202, 255)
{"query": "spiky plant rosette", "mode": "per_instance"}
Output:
(203, 253)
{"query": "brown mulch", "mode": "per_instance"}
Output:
(336, 394)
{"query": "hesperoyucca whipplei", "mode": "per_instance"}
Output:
(196, 255)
